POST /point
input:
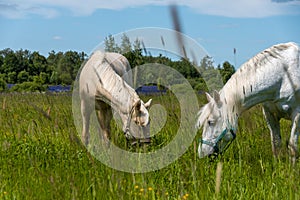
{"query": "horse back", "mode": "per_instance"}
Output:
(100, 69)
(120, 65)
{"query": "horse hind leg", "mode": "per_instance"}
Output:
(274, 127)
(293, 141)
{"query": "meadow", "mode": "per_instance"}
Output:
(41, 157)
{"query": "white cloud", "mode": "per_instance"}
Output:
(14, 9)
(243, 8)
(229, 8)
(57, 37)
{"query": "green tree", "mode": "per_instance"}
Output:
(54, 78)
(69, 66)
(3, 84)
(226, 71)
(10, 63)
(206, 63)
(125, 44)
(23, 58)
(1, 62)
(44, 77)
(110, 44)
(210, 74)
(37, 64)
(22, 76)
(137, 45)
(12, 77)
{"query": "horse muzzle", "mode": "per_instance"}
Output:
(218, 146)
(142, 137)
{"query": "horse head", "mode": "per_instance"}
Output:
(138, 124)
(217, 134)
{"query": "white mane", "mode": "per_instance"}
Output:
(111, 87)
(203, 114)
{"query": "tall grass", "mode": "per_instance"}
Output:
(41, 157)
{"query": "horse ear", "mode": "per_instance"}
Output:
(147, 105)
(209, 98)
(137, 105)
(217, 98)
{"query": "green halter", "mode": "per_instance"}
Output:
(215, 144)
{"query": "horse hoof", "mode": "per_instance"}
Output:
(134, 142)
(141, 141)
(145, 141)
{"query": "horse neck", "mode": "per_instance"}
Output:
(261, 78)
(243, 91)
(116, 90)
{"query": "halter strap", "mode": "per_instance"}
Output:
(219, 138)
(129, 120)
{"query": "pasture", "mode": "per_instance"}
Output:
(41, 157)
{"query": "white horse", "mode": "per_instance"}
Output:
(272, 78)
(102, 88)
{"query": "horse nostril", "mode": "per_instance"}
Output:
(213, 156)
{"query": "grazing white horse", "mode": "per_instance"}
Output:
(102, 88)
(272, 78)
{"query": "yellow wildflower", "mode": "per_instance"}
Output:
(185, 196)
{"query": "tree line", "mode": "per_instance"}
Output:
(204, 76)
(31, 71)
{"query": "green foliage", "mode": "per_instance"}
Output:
(69, 66)
(137, 45)
(12, 77)
(23, 76)
(110, 44)
(23, 66)
(226, 71)
(10, 63)
(125, 44)
(28, 87)
(210, 75)
(3, 84)
(38, 64)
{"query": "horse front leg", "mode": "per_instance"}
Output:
(104, 116)
(293, 142)
(85, 113)
(274, 127)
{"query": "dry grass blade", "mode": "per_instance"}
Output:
(46, 114)
(218, 177)
(177, 28)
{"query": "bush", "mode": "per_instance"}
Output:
(28, 87)
(3, 85)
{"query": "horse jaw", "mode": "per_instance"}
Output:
(205, 150)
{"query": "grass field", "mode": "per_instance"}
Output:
(41, 157)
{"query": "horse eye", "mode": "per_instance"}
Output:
(136, 121)
(210, 122)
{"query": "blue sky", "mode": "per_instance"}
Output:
(218, 26)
